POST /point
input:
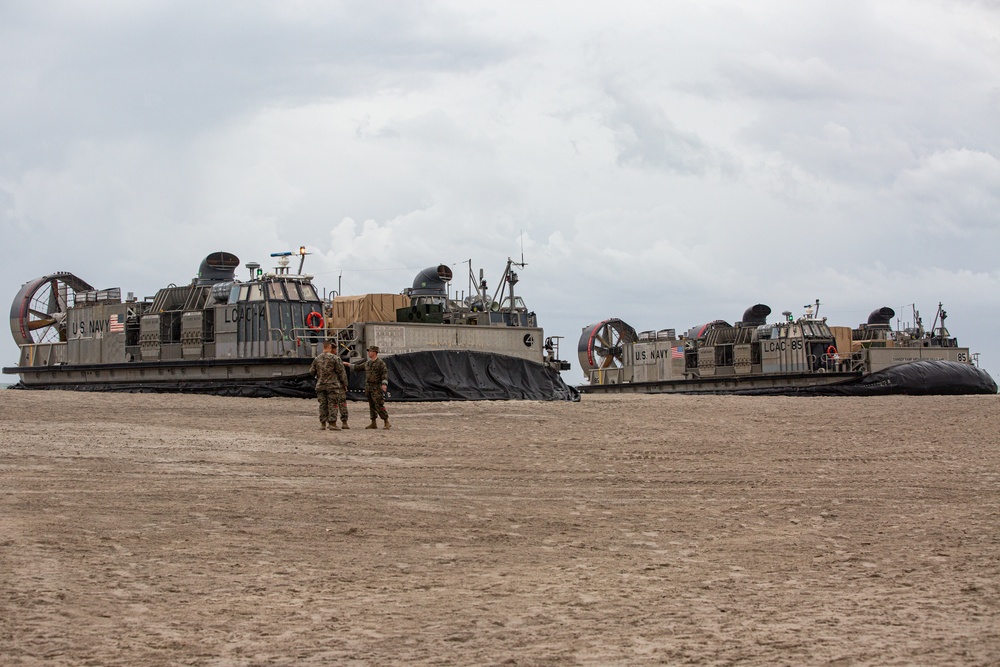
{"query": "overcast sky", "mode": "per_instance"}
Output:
(668, 163)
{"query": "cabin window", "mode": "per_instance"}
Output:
(275, 291)
(244, 293)
(256, 293)
(817, 330)
(518, 304)
(308, 293)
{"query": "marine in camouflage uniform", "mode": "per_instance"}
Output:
(331, 387)
(376, 385)
(339, 403)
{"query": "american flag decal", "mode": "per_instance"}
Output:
(677, 353)
(115, 324)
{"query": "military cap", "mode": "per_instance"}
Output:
(373, 348)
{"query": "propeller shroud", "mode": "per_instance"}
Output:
(38, 314)
(602, 345)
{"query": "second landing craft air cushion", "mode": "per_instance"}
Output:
(801, 355)
(257, 337)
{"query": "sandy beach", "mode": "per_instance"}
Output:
(190, 530)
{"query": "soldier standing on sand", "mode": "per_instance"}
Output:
(340, 401)
(376, 385)
(331, 387)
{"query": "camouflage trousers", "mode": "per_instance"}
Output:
(330, 403)
(376, 403)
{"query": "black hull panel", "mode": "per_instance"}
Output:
(303, 387)
(447, 375)
(264, 377)
(727, 384)
(929, 377)
(416, 376)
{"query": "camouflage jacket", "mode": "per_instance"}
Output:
(375, 372)
(329, 372)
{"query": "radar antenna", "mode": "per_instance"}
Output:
(942, 331)
(509, 279)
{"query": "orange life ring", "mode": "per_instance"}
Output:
(830, 351)
(314, 321)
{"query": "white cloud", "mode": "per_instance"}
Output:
(956, 192)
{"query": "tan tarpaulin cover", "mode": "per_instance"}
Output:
(842, 335)
(346, 310)
(845, 346)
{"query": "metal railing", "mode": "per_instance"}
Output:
(855, 363)
(308, 342)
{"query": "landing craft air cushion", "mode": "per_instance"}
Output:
(790, 356)
(257, 337)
